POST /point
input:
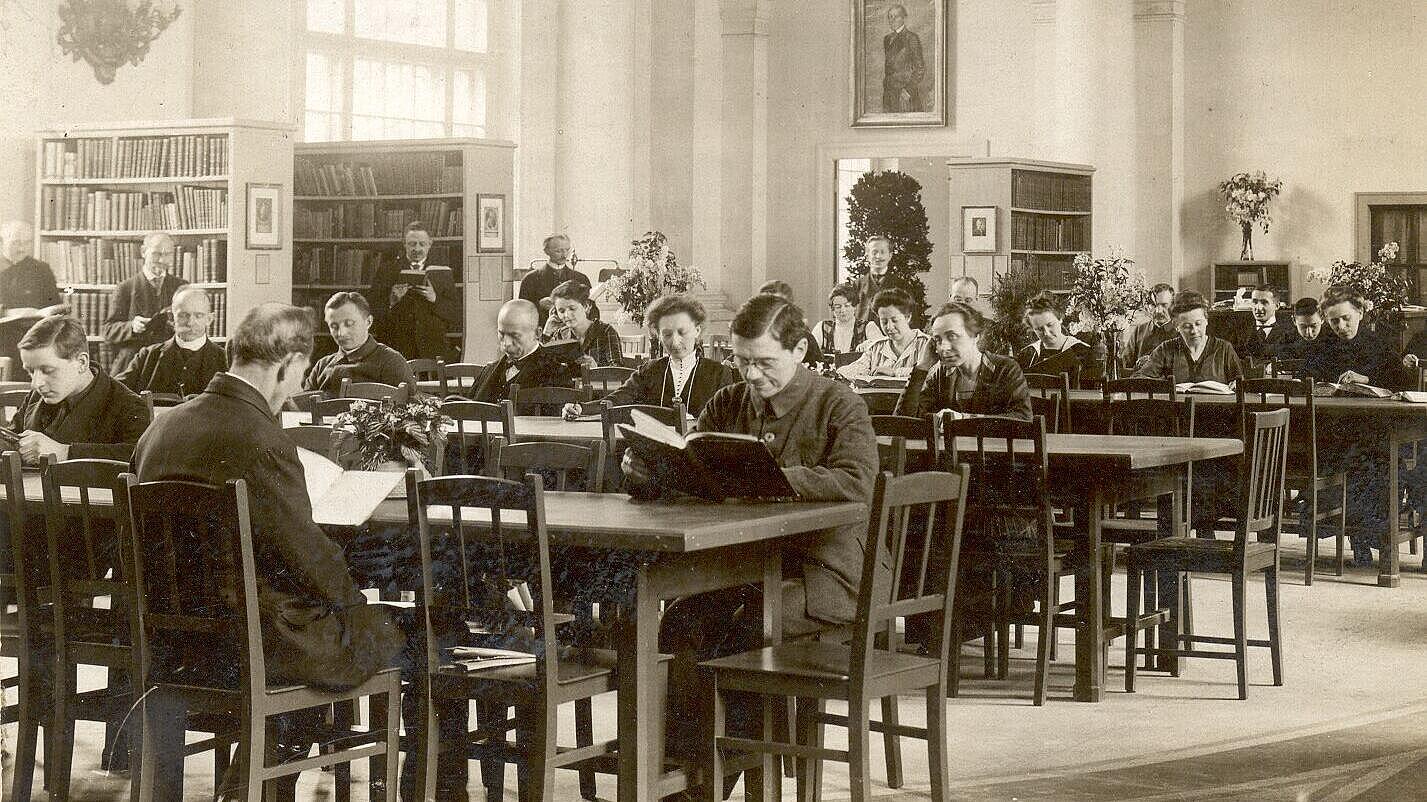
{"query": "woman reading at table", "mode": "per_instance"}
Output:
(1193, 356)
(570, 312)
(843, 333)
(952, 372)
(819, 432)
(1053, 351)
(678, 322)
(896, 353)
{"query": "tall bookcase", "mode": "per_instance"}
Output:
(353, 201)
(101, 188)
(1043, 217)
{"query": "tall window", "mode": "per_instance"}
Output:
(399, 69)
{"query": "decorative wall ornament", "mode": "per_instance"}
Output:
(108, 33)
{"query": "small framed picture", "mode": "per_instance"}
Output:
(490, 224)
(264, 227)
(978, 229)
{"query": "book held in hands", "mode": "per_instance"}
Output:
(711, 465)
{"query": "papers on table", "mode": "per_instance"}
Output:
(1413, 397)
(475, 658)
(344, 498)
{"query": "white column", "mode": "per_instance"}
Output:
(1043, 63)
(744, 163)
(705, 145)
(1159, 123)
(539, 75)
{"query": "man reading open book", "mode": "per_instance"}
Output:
(819, 432)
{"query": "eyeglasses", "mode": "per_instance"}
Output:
(839, 307)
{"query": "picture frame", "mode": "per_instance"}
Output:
(264, 217)
(490, 224)
(978, 229)
(900, 66)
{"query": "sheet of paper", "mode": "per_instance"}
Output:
(344, 498)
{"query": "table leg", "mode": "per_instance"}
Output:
(641, 735)
(1089, 653)
(1168, 633)
(1388, 576)
(766, 782)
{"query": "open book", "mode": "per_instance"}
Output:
(879, 382)
(340, 497)
(1351, 389)
(1210, 387)
(475, 658)
(419, 278)
(711, 465)
(1412, 397)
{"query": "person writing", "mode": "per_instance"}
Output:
(843, 333)
(1053, 351)
(1147, 336)
(415, 304)
(1351, 354)
(819, 431)
(896, 353)
(952, 372)
(184, 363)
(134, 318)
(1193, 356)
(678, 322)
(359, 356)
(538, 283)
(599, 342)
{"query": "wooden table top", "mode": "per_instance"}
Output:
(613, 521)
(1333, 405)
(1121, 453)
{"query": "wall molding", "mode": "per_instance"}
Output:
(1172, 10)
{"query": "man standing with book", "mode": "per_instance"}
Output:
(415, 304)
(140, 313)
(538, 283)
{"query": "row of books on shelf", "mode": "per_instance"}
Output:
(107, 261)
(1036, 190)
(1053, 271)
(1035, 233)
(74, 208)
(352, 267)
(137, 157)
(395, 174)
(91, 309)
(365, 219)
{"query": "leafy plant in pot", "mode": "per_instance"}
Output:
(378, 436)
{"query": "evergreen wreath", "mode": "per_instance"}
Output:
(888, 203)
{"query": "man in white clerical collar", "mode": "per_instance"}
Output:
(190, 318)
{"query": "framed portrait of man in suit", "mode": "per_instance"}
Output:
(900, 69)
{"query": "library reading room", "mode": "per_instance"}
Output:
(845, 400)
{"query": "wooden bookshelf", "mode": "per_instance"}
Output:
(101, 188)
(1044, 217)
(1225, 278)
(354, 199)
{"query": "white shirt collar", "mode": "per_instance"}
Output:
(196, 345)
(250, 384)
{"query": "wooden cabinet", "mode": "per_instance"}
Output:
(1227, 277)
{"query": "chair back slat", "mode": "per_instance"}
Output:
(613, 415)
(905, 431)
(194, 575)
(317, 439)
(1047, 409)
(1052, 386)
(15, 567)
(880, 401)
(11, 401)
(927, 506)
(81, 527)
(480, 427)
(1262, 482)
(546, 400)
(425, 369)
(1149, 417)
(1265, 395)
(605, 378)
(454, 372)
(515, 552)
(559, 460)
(1009, 465)
(375, 391)
(1139, 385)
(325, 410)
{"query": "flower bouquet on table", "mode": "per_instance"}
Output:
(1384, 291)
(1246, 199)
(1105, 294)
(377, 436)
(653, 271)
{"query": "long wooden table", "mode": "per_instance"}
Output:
(1396, 422)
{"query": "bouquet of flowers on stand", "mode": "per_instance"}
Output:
(377, 436)
(1104, 294)
(1246, 199)
(653, 271)
(1385, 291)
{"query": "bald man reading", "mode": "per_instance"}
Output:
(522, 360)
(184, 363)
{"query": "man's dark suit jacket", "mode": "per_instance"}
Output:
(1257, 346)
(136, 296)
(904, 68)
(539, 368)
(371, 362)
(654, 384)
(166, 368)
(867, 288)
(318, 628)
(103, 421)
(28, 282)
(538, 283)
(414, 326)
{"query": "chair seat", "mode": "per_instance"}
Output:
(1197, 554)
(818, 660)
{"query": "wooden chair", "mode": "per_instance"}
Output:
(425, 369)
(22, 637)
(1309, 479)
(10, 403)
(558, 460)
(546, 400)
(873, 666)
(453, 377)
(304, 400)
(633, 344)
(1013, 530)
(324, 411)
(606, 378)
(375, 391)
(1053, 390)
(480, 429)
(1288, 369)
(904, 429)
(1261, 486)
(315, 438)
(153, 399)
(195, 583)
(1139, 386)
(535, 690)
(880, 402)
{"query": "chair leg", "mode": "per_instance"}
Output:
(161, 757)
(953, 669)
(344, 716)
(1003, 629)
(492, 768)
(25, 741)
(1055, 605)
(1149, 587)
(892, 743)
(1241, 645)
(585, 736)
(1043, 639)
(809, 731)
(220, 770)
(1342, 524)
(1275, 644)
(938, 753)
(712, 756)
(859, 738)
(1132, 624)
(1312, 495)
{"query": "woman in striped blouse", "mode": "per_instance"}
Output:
(572, 307)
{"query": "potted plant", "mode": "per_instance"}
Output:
(1385, 291)
(1246, 199)
(653, 271)
(376, 436)
(1007, 331)
(1104, 294)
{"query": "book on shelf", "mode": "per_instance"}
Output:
(367, 219)
(1033, 189)
(177, 156)
(83, 208)
(1208, 387)
(341, 497)
(386, 174)
(711, 465)
(1031, 232)
(96, 260)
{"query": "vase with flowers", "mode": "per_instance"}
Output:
(1384, 291)
(380, 436)
(1104, 294)
(1246, 199)
(653, 271)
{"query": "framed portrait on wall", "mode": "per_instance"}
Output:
(900, 69)
(264, 229)
(490, 222)
(978, 229)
